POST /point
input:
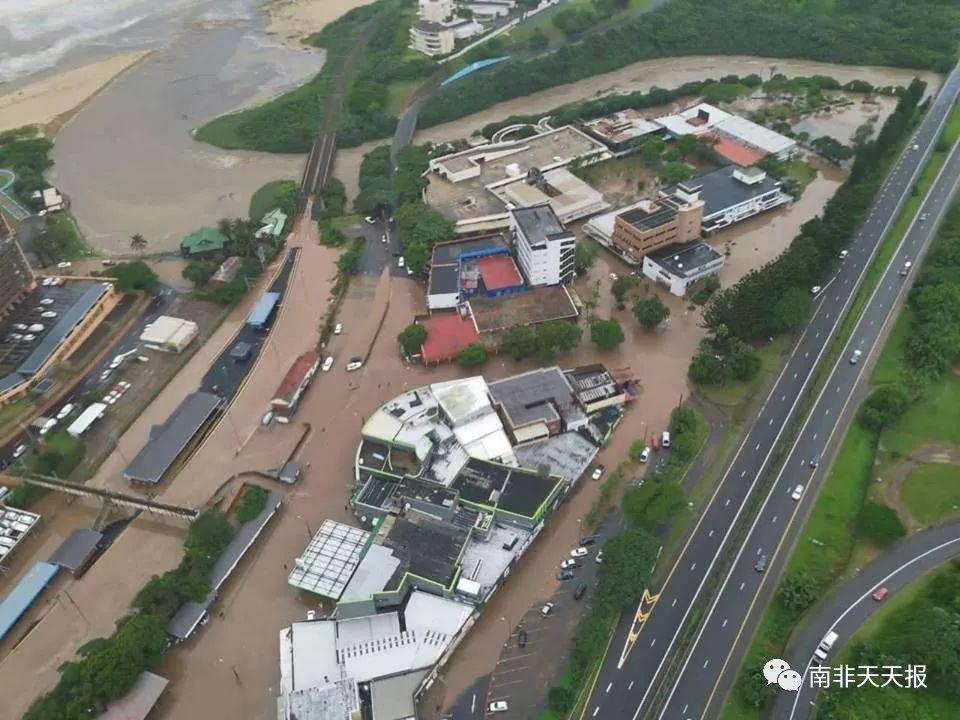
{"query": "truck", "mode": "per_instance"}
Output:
(829, 640)
(94, 412)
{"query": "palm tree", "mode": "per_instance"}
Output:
(138, 243)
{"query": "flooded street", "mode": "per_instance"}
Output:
(128, 162)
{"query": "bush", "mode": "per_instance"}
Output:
(885, 406)
(798, 592)
(198, 273)
(606, 334)
(411, 339)
(472, 356)
(349, 262)
(879, 523)
(252, 503)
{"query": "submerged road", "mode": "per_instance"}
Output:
(644, 642)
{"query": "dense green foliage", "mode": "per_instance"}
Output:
(543, 341)
(885, 406)
(58, 240)
(408, 180)
(27, 157)
(924, 34)
(585, 255)
(606, 334)
(252, 503)
(473, 356)
(650, 312)
(879, 523)
(349, 262)
(108, 667)
(798, 592)
(376, 186)
(924, 631)
(420, 227)
(411, 338)
(135, 275)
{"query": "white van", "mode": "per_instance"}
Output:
(825, 646)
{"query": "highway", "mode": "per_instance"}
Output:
(850, 605)
(638, 654)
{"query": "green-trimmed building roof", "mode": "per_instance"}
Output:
(204, 240)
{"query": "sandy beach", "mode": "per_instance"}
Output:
(295, 20)
(55, 97)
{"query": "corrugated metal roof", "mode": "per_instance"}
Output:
(63, 327)
(74, 552)
(137, 703)
(261, 311)
(24, 593)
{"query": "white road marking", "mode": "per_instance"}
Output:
(710, 534)
(673, 603)
(596, 710)
(724, 623)
(775, 518)
(630, 686)
(609, 686)
(693, 567)
(741, 586)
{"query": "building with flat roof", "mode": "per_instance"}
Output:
(757, 137)
(16, 276)
(24, 594)
(570, 197)
(169, 334)
(656, 223)
(439, 28)
(618, 130)
(696, 120)
(537, 404)
(447, 335)
(466, 268)
(545, 248)
(79, 550)
(678, 267)
(169, 440)
(139, 701)
(539, 305)
(731, 195)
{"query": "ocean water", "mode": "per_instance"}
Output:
(37, 35)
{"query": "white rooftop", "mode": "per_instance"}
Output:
(463, 400)
(330, 559)
(750, 133)
(695, 120)
(602, 225)
(371, 575)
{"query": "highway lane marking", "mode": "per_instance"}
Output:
(705, 663)
(741, 586)
(724, 623)
(710, 534)
(608, 687)
(630, 686)
(596, 710)
(727, 502)
(647, 603)
(775, 518)
(653, 642)
(693, 567)
(836, 368)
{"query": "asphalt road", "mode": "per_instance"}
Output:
(851, 605)
(378, 254)
(629, 678)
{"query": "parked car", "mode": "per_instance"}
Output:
(855, 358)
(597, 472)
(547, 609)
(19, 326)
(522, 638)
(880, 593)
(47, 301)
(645, 455)
(761, 564)
(327, 364)
(267, 418)
(579, 552)
(19, 450)
(655, 441)
(498, 706)
(580, 591)
(49, 314)
(599, 557)
(108, 263)
(401, 262)
(589, 540)
(565, 575)
(29, 338)
(354, 364)
(338, 328)
(64, 411)
(369, 219)
(797, 492)
(568, 564)
(665, 439)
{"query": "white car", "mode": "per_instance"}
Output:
(49, 314)
(401, 262)
(369, 219)
(569, 563)
(498, 706)
(797, 492)
(354, 364)
(915, 147)
(47, 301)
(597, 473)
(48, 426)
(843, 254)
(20, 450)
(599, 558)
(383, 238)
(665, 439)
(645, 455)
(409, 272)
(906, 268)
(816, 290)
(579, 552)
(327, 364)
(855, 358)
(338, 328)
(547, 609)
(36, 327)
(64, 411)
(19, 326)
(65, 265)
(29, 338)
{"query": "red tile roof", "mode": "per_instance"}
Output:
(302, 366)
(499, 272)
(447, 335)
(735, 152)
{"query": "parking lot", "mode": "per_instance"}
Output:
(24, 329)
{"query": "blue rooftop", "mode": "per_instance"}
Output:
(262, 310)
(23, 595)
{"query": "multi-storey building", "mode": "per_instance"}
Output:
(545, 248)
(16, 277)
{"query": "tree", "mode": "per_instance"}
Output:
(585, 255)
(411, 339)
(135, 276)
(208, 536)
(798, 592)
(198, 273)
(518, 342)
(885, 406)
(743, 360)
(879, 523)
(650, 312)
(687, 145)
(674, 172)
(636, 449)
(538, 40)
(627, 563)
(472, 356)
(252, 503)
(754, 687)
(620, 287)
(606, 334)
(138, 243)
(791, 310)
(349, 262)
(651, 150)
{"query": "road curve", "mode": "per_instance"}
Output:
(627, 682)
(850, 605)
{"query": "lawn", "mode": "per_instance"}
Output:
(74, 246)
(889, 367)
(936, 418)
(269, 196)
(733, 397)
(932, 492)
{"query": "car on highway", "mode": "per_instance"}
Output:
(354, 364)
(844, 254)
(547, 609)
(327, 364)
(665, 439)
(915, 147)
(580, 591)
(816, 290)
(923, 217)
(383, 238)
(855, 358)
(597, 472)
(880, 593)
(338, 328)
(761, 564)
(815, 461)
(906, 268)
(797, 492)
(568, 564)
(579, 552)
(19, 450)
(565, 574)
(522, 638)
(498, 706)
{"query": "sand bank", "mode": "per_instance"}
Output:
(55, 97)
(295, 20)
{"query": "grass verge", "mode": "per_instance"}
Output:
(932, 493)
(734, 397)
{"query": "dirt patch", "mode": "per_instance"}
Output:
(890, 487)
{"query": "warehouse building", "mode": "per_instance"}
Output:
(678, 267)
(170, 334)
